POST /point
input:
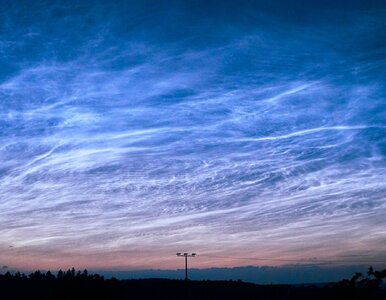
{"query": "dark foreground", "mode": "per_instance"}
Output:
(77, 285)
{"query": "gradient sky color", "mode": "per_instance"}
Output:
(133, 130)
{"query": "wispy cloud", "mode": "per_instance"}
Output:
(136, 141)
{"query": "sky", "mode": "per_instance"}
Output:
(252, 133)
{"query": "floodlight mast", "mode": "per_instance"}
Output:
(186, 255)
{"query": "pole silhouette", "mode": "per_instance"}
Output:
(186, 255)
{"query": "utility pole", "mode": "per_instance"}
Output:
(186, 255)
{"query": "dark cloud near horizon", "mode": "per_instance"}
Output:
(260, 275)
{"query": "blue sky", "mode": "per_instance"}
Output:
(134, 130)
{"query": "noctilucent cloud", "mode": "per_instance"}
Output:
(133, 130)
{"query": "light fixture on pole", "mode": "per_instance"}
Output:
(186, 255)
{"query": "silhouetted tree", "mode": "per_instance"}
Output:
(372, 281)
(50, 276)
(74, 284)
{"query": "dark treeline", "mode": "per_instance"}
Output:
(73, 284)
